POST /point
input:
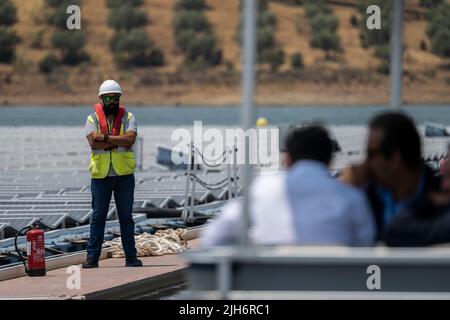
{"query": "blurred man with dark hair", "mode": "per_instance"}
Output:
(310, 142)
(393, 174)
(303, 205)
(427, 221)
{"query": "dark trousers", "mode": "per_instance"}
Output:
(102, 190)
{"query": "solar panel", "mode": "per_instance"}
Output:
(60, 207)
(158, 202)
(38, 179)
(17, 223)
(13, 207)
(50, 220)
(78, 215)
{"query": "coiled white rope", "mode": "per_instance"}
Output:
(161, 243)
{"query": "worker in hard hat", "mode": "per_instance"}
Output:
(111, 131)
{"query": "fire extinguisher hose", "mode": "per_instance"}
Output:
(25, 229)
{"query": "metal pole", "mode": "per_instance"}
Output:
(192, 202)
(229, 177)
(247, 115)
(396, 65)
(185, 213)
(140, 153)
(192, 199)
(224, 275)
(235, 173)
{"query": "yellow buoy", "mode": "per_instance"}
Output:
(261, 122)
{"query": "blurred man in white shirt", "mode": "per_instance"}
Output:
(303, 205)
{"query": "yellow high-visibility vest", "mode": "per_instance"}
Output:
(122, 159)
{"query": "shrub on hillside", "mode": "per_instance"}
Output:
(439, 19)
(384, 68)
(430, 3)
(62, 3)
(190, 5)
(438, 30)
(423, 45)
(316, 7)
(202, 48)
(274, 57)
(8, 13)
(266, 38)
(185, 38)
(119, 3)
(326, 40)
(267, 18)
(134, 48)
(37, 38)
(190, 19)
(440, 43)
(58, 17)
(49, 64)
(324, 21)
(297, 61)
(382, 52)
(8, 42)
(354, 21)
(127, 18)
(71, 45)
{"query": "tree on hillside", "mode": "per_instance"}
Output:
(71, 45)
(430, 3)
(8, 37)
(190, 5)
(323, 25)
(8, 13)
(439, 29)
(326, 40)
(8, 42)
(135, 48)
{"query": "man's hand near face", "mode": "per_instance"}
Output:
(356, 175)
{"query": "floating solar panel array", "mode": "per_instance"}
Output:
(62, 199)
(44, 175)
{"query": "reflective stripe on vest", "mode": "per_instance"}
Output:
(122, 159)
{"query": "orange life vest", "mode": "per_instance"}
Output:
(103, 124)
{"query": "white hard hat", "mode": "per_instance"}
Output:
(109, 86)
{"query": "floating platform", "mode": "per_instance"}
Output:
(112, 280)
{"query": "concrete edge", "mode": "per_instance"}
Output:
(133, 290)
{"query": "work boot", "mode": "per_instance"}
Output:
(133, 262)
(90, 263)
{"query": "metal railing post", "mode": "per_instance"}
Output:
(229, 177)
(248, 117)
(184, 216)
(192, 200)
(224, 277)
(396, 57)
(235, 172)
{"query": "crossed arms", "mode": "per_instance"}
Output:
(126, 141)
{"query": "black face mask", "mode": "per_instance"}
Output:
(110, 108)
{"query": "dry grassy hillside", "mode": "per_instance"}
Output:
(350, 78)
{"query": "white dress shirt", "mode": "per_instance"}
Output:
(301, 206)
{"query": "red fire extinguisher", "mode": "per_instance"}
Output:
(35, 261)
